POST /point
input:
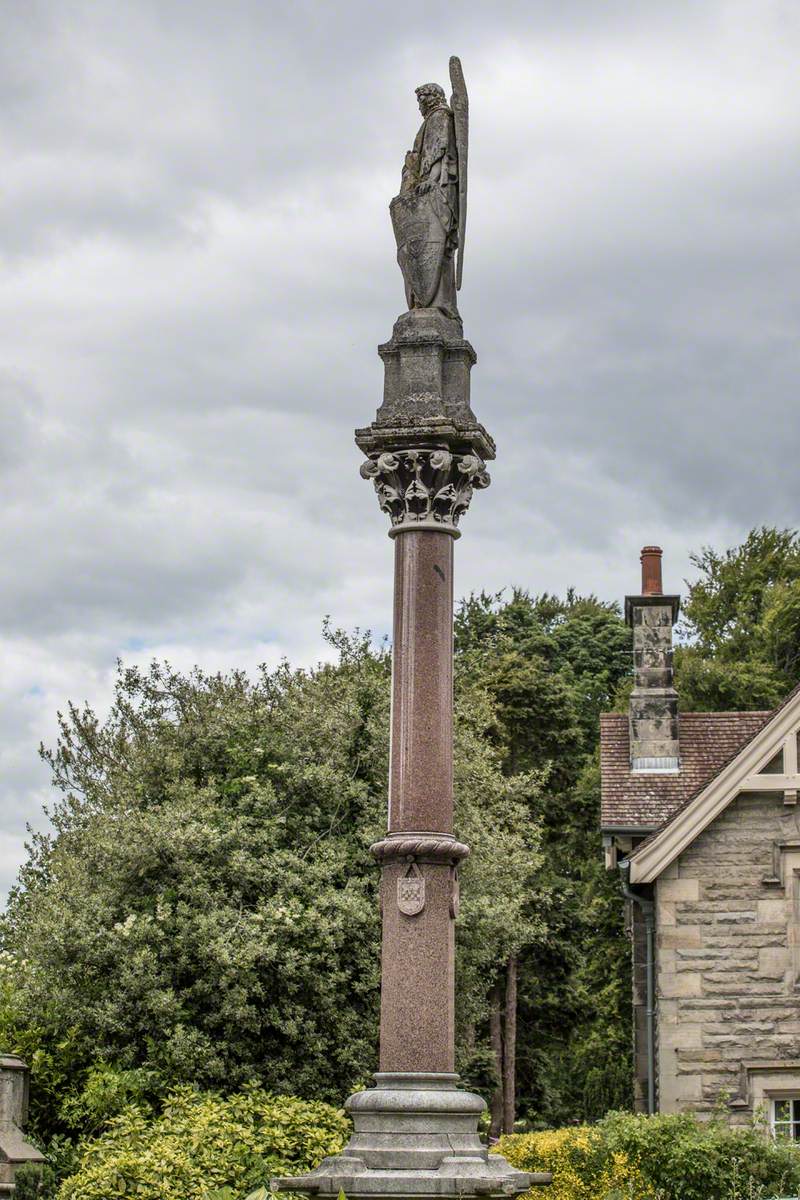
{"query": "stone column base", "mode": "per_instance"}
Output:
(414, 1135)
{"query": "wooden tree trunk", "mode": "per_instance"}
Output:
(510, 1049)
(496, 1108)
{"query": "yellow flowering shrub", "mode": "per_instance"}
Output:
(202, 1146)
(582, 1166)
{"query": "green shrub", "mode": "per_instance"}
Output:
(202, 1145)
(683, 1158)
(106, 1092)
(670, 1157)
(582, 1167)
(34, 1181)
(52, 1057)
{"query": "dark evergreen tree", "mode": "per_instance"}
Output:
(552, 666)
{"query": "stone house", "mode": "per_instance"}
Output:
(700, 814)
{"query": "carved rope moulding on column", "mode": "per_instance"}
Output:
(429, 488)
(430, 847)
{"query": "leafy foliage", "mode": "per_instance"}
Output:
(51, 1054)
(551, 666)
(579, 1158)
(202, 1146)
(682, 1157)
(742, 625)
(34, 1181)
(674, 1157)
(106, 1092)
(206, 899)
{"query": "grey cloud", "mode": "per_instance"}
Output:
(198, 266)
(20, 407)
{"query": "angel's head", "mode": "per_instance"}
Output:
(430, 97)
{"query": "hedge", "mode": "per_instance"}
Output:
(202, 1146)
(669, 1157)
(582, 1166)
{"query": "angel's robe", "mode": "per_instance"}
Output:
(430, 175)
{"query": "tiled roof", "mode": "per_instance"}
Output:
(770, 716)
(707, 741)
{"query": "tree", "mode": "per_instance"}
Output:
(505, 891)
(205, 909)
(741, 626)
(551, 667)
(203, 906)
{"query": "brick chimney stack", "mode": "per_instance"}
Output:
(654, 701)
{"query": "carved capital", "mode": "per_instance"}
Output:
(425, 489)
(423, 847)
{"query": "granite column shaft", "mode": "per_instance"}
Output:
(418, 954)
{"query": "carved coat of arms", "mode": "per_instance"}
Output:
(411, 891)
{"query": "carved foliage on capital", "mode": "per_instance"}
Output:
(430, 488)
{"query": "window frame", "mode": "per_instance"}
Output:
(788, 1127)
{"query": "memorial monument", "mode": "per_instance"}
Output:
(415, 1132)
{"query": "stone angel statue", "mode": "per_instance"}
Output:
(429, 215)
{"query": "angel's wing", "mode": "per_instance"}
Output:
(459, 102)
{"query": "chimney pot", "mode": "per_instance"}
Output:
(651, 571)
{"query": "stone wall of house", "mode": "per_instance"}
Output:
(727, 923)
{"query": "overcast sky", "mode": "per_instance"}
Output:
(198, 265)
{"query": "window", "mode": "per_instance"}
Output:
(786, 1118)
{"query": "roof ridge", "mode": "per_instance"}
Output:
(723, 712)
